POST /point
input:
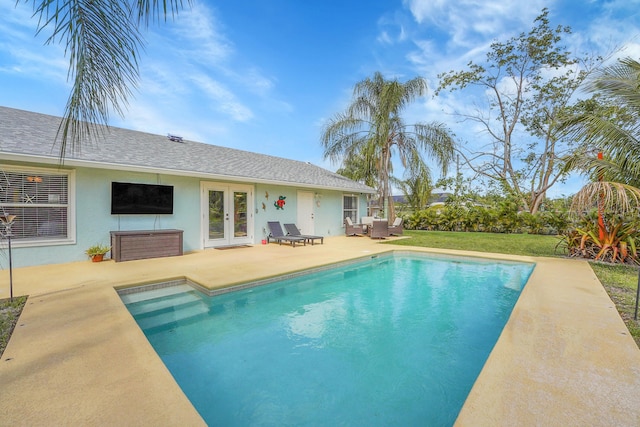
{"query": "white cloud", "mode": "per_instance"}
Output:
(261, 84)
(222, 99)
(23, 51)
(200, 41)
(202, 37)
(385, 38)
(630, 50)
(467, 21)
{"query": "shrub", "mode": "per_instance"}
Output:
(618, 244)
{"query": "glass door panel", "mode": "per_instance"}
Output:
(216, 215)
(240, 214)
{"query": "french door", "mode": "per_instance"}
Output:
(227, 214)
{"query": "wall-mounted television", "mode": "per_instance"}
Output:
(138, 199)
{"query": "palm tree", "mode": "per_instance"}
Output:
(103, 41)
(360, 168)
(373, 130)
(416, 190)
(614, 131)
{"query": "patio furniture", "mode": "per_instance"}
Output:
(292, 230)
(367, 220)
(352, 229)
(379, 229)
(143, 244)
(396, 228)
(277, 235)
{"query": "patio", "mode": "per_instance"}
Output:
(77, 357)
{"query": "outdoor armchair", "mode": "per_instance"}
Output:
(396, 229)
(379, 229)
(351, 229)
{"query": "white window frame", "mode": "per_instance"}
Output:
(356, 218)
(16, 241)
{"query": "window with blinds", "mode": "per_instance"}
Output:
(40, 201)
(350, 207)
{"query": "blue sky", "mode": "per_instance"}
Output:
(264, 76)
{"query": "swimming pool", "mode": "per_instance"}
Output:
(393, 340)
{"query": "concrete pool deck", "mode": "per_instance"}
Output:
(77, 357)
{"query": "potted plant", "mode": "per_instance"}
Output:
(96, 252)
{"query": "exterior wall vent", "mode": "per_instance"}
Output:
(174, 138)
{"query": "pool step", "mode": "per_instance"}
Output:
(149, 306)
(129, 297)
(171, 318)
(168, 309)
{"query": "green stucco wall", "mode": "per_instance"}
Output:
(93, 219)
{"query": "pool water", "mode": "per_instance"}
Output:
(395, 340)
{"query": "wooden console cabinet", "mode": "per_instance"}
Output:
(142, 244)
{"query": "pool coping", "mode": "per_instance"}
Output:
(564, 357)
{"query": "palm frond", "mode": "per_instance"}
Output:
(103, 42)
(621, 80)
(613, 196)
(613, 128)
(155, 10)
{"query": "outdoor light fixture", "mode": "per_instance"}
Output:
(7, 222)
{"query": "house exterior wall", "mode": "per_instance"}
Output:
(93, 219)
(327, 209)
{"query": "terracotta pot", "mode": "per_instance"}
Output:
(97, 258)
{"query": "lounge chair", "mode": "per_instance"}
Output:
(277, 235)
(379, 229)
(352, 229)
(396, 229)
(292, 230)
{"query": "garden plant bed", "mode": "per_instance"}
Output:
(9, 315)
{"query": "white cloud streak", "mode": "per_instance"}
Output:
(467, 20)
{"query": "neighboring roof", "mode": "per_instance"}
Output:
(439, 198)
(29, 136)
(399, 199)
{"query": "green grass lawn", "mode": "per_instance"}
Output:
(515, 244)
(620, 281)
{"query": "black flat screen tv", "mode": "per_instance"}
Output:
(138, 199)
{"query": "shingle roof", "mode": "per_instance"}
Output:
(25, 133)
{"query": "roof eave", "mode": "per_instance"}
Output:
(31, 158)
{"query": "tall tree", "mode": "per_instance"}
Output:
(103, 42)
(527, 81)
(373, 131)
